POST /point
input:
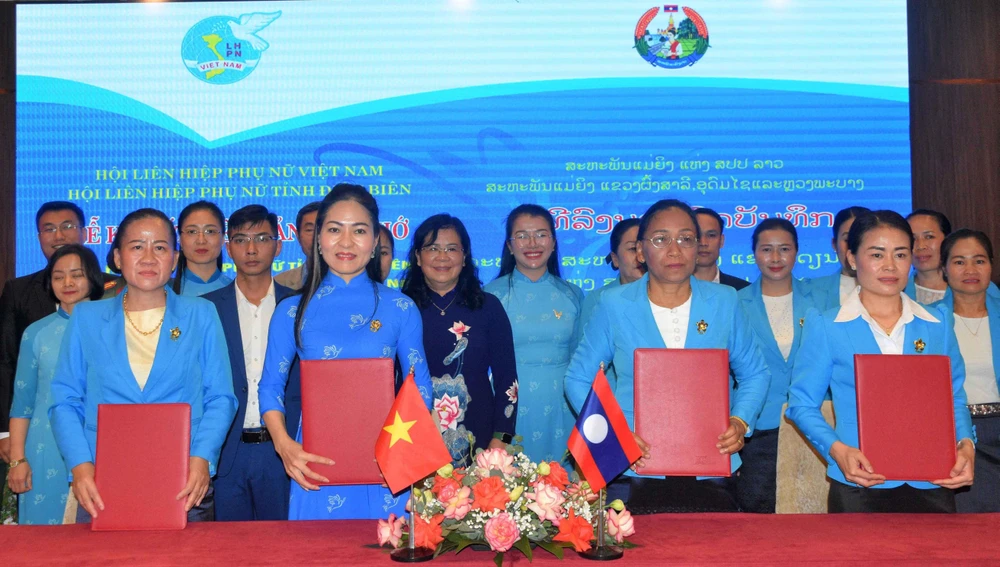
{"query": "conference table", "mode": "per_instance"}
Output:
(664, 539)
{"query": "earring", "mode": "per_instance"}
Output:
(853, 267)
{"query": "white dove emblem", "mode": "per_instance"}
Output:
(250, 24)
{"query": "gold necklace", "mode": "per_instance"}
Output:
(966, 325)
(442, 310)
(131, 322)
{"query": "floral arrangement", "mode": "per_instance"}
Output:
(505, 501)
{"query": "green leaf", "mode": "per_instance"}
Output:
(524, 546)
(552, 547)
(498, 559)
(626, 544)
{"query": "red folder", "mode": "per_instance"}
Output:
(681, 408)
(344, 404)
(906, 414)
(143, 454)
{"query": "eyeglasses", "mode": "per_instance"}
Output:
(194, 232)
(243, 240)
(684, 241)
(64, 227)
(524, 236)
(434, 250)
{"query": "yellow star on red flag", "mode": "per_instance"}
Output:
(399, 430)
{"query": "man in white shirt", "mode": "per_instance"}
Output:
(251, 482)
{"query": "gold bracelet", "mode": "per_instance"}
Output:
(746, 427)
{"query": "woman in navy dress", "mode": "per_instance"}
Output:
(467, 338)
(343, 312)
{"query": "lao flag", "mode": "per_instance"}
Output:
(601, 441)
(670, 8)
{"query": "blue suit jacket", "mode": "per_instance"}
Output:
(825, 291)
(781, 370)
(622, 321)
(826, 361)
(93, 369)
(224, 300)
(992, 312)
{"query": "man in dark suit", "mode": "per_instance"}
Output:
(24, 301)
(711, 243)
(251, 483)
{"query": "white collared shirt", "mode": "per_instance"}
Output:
(847, 285)
(718, 275)
(888, 343)
(254, 321)
(672, 322)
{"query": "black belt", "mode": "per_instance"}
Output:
(255, 436)
(984, 410)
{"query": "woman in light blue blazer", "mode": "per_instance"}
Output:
(967, 259)
(827, 291)
(776, 306)
(878, 318)
(669, 308)
(623, 259)
(148, 345)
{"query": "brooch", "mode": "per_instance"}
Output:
(175, 333)
(919, 345)
(702, 327)
(376, 325)
(558, 314)
(802, 322)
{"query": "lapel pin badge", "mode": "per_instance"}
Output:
(802, 321)
(175, 333)
(919, 345)
(558, 314)
(375, 326)
(702, 327)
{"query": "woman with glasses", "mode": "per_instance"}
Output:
(776, 305)
(467, 338)
(199, 266)
(544, 313)
(669, 308)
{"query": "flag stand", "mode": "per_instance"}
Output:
(602, 552)
(411, 553)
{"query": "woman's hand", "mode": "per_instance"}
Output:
(855, 465)
(85, 489)
(19, 478)
(297, 461)
(197, 483)
(644, 447)
(731, 439)
(961, 473)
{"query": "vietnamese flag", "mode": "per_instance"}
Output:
(410, 447)
(601, 442)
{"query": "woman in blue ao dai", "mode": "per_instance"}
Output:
(38, 472)
(343, 312)
(544, 312)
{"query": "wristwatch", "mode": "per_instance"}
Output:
(16, 462)
(505, 437)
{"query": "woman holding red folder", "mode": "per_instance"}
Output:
(148, 345)
(670, 308)
(343, 312)
(877, 318)
(967, 258)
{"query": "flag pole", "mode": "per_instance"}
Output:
(602, 552)
(411, 553)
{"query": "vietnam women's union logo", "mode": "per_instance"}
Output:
(222, 50)
(664, 44)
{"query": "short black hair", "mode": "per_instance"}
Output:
(58, 206)
(617, 234)
(663, 205)
(714, 215)
(310, 208)
(91, 269)
(943, 223)
(252, 215)
(844, 215)
(777, 223)
(961, 234)
(867, 222)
